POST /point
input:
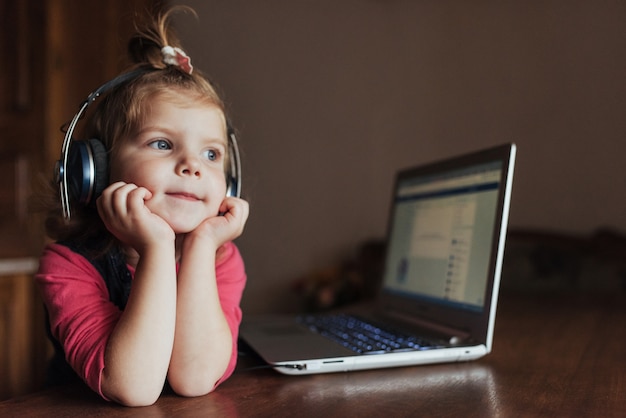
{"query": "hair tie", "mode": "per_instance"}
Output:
(176, 56)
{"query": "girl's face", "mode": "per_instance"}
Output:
(178, 154)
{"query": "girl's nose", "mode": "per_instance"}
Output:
(189, 166)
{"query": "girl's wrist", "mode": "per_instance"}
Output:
(165, 248)
(207, 243)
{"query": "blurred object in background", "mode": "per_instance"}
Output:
(352, 280)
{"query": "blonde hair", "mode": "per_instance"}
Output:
(120, 112)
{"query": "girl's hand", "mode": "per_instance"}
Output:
(227, 226)
(123, 210)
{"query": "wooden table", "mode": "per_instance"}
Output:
(553, 357)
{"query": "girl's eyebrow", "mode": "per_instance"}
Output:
(221, 141)
(172, 133)
(145, 130)
(154, 128)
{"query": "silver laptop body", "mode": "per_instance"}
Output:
(445, 247)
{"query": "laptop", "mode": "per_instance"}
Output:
(438, 294)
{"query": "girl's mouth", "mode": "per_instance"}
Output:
(184, 196)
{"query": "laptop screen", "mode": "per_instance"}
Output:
(441, 235)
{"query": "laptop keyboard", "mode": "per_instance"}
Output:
(363, 336)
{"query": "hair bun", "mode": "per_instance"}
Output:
(142, 50)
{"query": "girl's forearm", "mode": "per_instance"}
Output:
(203, 341)
(140, 347)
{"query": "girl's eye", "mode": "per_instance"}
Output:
(160, 144)
(211, 154)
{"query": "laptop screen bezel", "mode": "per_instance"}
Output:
(476, 323)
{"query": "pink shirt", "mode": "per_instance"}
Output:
(82, 317)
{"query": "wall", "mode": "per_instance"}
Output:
(331, 97)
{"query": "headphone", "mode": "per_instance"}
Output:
(82, 171)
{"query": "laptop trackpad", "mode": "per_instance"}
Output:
(279, 339)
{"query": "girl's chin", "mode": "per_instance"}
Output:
(183, 222)
(185, 227)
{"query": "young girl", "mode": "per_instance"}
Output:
(165, 225)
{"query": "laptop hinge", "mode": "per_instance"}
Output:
(453, 335)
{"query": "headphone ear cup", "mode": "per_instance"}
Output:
(233, 169)
(87, 170)
(101, 168)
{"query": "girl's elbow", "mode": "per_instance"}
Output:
(191, 388)
(133, 395)
(192, 392)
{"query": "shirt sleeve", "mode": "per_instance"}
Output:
(231, 281)
(81, 315)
